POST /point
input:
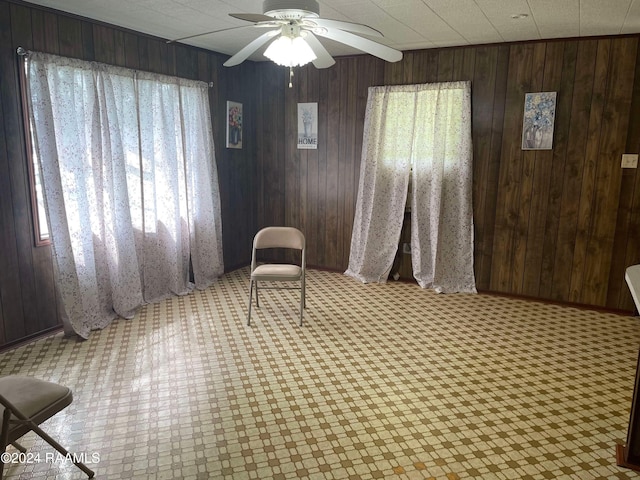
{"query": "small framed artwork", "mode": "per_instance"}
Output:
(234, 125)
(539, 118)
(308, 125)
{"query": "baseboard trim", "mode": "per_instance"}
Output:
(30, 339)
(621, 462)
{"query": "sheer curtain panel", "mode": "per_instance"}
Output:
(423, 131)
(384, 178)
(130, 185)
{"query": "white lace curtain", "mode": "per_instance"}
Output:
(423, 131)
(130, 184)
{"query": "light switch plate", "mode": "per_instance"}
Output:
(629, 160)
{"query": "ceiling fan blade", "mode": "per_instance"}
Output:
(348, 26)
(206, 33)
(252, 17)
(324, 59)
(246, 52)
(376, 49)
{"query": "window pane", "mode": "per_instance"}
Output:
(43, 226)
(40, 224)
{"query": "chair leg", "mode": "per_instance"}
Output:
(301, 302)
(301, 310)
(250, 295)
(257, 300)
(19, 447)
(90, 473)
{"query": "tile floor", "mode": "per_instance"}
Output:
(382, 381)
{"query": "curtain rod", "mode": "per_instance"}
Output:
(23, 52)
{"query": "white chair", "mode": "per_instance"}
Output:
(278, 237)
(25, 403)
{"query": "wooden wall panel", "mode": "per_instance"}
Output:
(483, 90)
(542, 212)
(628, 228)
(609, 173)
(312, 177)
(12, 109)
(70, 37)
(557, 167)
(44, 289)
(493, 178)
(348, 188)
(291, 156)
(104, 44)
(9, 288)
(235, 166)
(323, 133)
(559, 286)
(581, 254)
(529, 160)
(504, 271)
(558, 225)
(270, 175)
(333, 254)
(28, 302)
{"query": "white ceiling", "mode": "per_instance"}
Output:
(406, 24)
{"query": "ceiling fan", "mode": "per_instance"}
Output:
(293, 27)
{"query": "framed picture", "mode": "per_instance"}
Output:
(308, 125)
(234, 125)
(539, 118)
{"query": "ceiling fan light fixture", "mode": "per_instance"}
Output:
(297, 25)
(290, 52)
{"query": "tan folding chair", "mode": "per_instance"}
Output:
(26, 402)
(278, 237)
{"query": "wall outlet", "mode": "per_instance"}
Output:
(629, 160)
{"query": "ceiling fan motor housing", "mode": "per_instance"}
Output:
(291, 9)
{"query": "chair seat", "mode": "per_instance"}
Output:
(34, 398)
(273, 272)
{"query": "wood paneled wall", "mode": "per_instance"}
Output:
(27, 292)
(560, 224)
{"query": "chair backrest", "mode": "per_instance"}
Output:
(279, 237)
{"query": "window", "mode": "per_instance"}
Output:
(38, 211)
(130, 185)
(420, 133)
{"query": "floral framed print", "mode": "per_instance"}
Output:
(538, 123)
(234, 125)
(308, 126)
